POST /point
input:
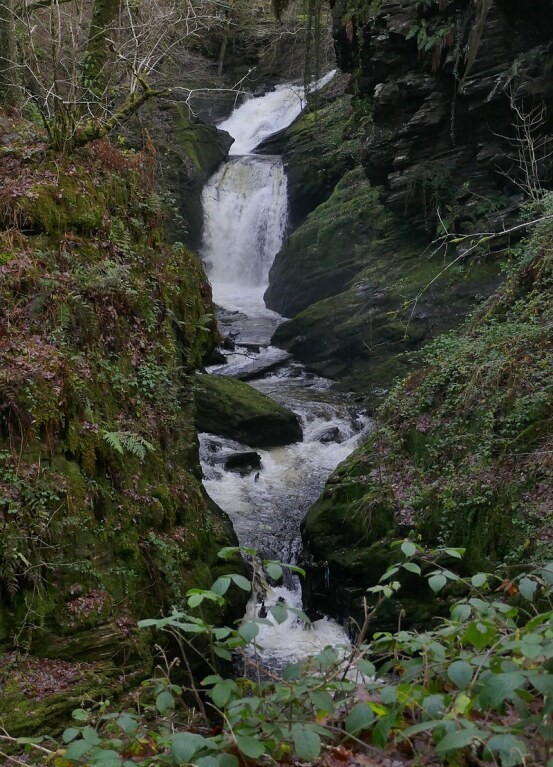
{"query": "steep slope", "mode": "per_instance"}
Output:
(102, 516)
(462, 453)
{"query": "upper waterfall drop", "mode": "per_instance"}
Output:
(258, 118)
(245, 202)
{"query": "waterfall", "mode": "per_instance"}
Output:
(245, 215)
(245, 212)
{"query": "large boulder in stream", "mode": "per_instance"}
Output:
(233, 409)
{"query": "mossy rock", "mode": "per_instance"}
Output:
(368, 296)
(232, 408)
(39, 695)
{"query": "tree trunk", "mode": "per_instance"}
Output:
(98, 49)
(9, 91)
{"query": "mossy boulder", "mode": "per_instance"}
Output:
(232, 408)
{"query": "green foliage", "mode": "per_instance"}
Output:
(127, 442)
(480, 683)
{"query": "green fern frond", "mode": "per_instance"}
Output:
(127, 441)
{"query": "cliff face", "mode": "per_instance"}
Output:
(102, 516)
(433, 94)
(451, 102)
(442, 79)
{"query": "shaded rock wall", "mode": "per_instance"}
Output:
(429, 123)
(461, 455)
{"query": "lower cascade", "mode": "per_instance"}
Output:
(245, 217)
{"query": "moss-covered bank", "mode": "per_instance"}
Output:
(102, 516)
(462, 452)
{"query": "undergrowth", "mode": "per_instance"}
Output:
(476, 689)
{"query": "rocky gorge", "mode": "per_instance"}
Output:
(405, 180)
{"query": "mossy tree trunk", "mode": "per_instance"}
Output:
(99, 49)
(9, 92)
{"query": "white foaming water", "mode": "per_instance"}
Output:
(292, 640)
(245, 213)
(258, 118)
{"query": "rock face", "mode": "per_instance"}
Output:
(189, 151)
(231, 408)
(441, 82)
(462, 455)
(442, 97)
(422, 147)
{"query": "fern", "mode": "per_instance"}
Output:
(128, 442)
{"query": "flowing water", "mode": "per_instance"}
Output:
(245, 210)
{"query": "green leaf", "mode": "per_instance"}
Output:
(207, 761)
(274, 571)
(228, 552)
(511, 750)
(479, 580)
(241, 582)
(251, 747)
(461, 612)
(105, 758)
(497, 688)
(408, 548)
(91, 736)
(221, 585)
(360, 718)
(279, 612)
(479, 635)
(322, 702)
(456, 553)
(366, 667)
(164, 702)
(222, 692)
(195, 600)
(307, 742)
(437, 582)
(76, 750)
(184, 745)
(527, 588)
(412, 567)
(546, 573)
(460, 673)
(221, 652)
(80, 715)
(248, 631)
(392, 570)
(228, 760)
(127, 723)
(70, 734)
(458, 739)
(434, 705)
(292, 671)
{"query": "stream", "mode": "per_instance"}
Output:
(245, 222)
